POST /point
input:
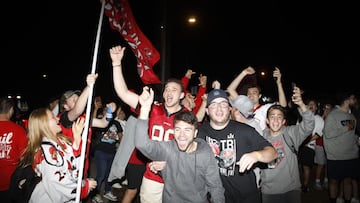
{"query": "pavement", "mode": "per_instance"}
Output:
(315, 196)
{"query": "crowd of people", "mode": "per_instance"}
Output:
(215, 145)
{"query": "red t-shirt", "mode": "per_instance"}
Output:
(13, 141)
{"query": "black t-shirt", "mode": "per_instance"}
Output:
(109, 137)
(228, 145)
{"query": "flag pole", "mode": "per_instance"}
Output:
(163, 42)
(84, 135)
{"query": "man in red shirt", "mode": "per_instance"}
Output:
(160, 120)
(13, 141)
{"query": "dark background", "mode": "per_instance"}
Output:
(314, 43)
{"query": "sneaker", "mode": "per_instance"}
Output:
(110, 196)
(318, 186)
(354, 200)
(125, 182)
(117, 186)
(340, 200)
(305, 189)
(97, 199)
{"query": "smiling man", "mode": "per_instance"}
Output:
(191, 170)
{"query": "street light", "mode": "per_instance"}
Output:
(192, 20)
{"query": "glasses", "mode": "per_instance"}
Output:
(223, 105)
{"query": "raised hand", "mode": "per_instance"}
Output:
(116, 54)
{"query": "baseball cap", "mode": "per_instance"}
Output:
(214, 94)
(67, 95)
(244, 105)
(70, 93)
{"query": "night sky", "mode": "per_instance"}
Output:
(315, 45)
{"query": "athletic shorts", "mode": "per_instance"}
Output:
(306, 156)
(320, 157)
(340, 169)
(134, 174)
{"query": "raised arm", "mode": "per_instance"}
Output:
(81, 102)
(77, 128)
(281, 93)
(105, 120)
(185, 79)
(231, 89)
(146, 99)
(127, 96)
(201, 91)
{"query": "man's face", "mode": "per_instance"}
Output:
(275, 120)
(172, 94)
(188, 101)
(70, 102)
(184, 134)
(254, 94)
(219, 111)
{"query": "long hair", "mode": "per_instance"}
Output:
(38, 128)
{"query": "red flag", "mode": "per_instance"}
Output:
(121, 19)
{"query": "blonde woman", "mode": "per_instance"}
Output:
(54, 158)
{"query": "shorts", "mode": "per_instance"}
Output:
(320, 156)
(340, 169)
(306, 156)
(151, 191)
(134, 174)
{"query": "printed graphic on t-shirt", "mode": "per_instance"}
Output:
(159, 133)
(225, 154)
(5, 145)
(279, 146)
(349, 123)
(111, 136)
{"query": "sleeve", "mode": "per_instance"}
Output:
(302, 130)
(185, 82)
(332, 128)
(77, 152)
(84, 189)
(153, 150)
(198, 99)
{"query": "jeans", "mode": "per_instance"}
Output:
(103, 163)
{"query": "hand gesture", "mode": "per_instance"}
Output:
(116, 54)
(249, 70)
(277, 74)
(296, 97)
(189, 73)
(247, 161)
(77, 129)
(147, 97)
(216, 84)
